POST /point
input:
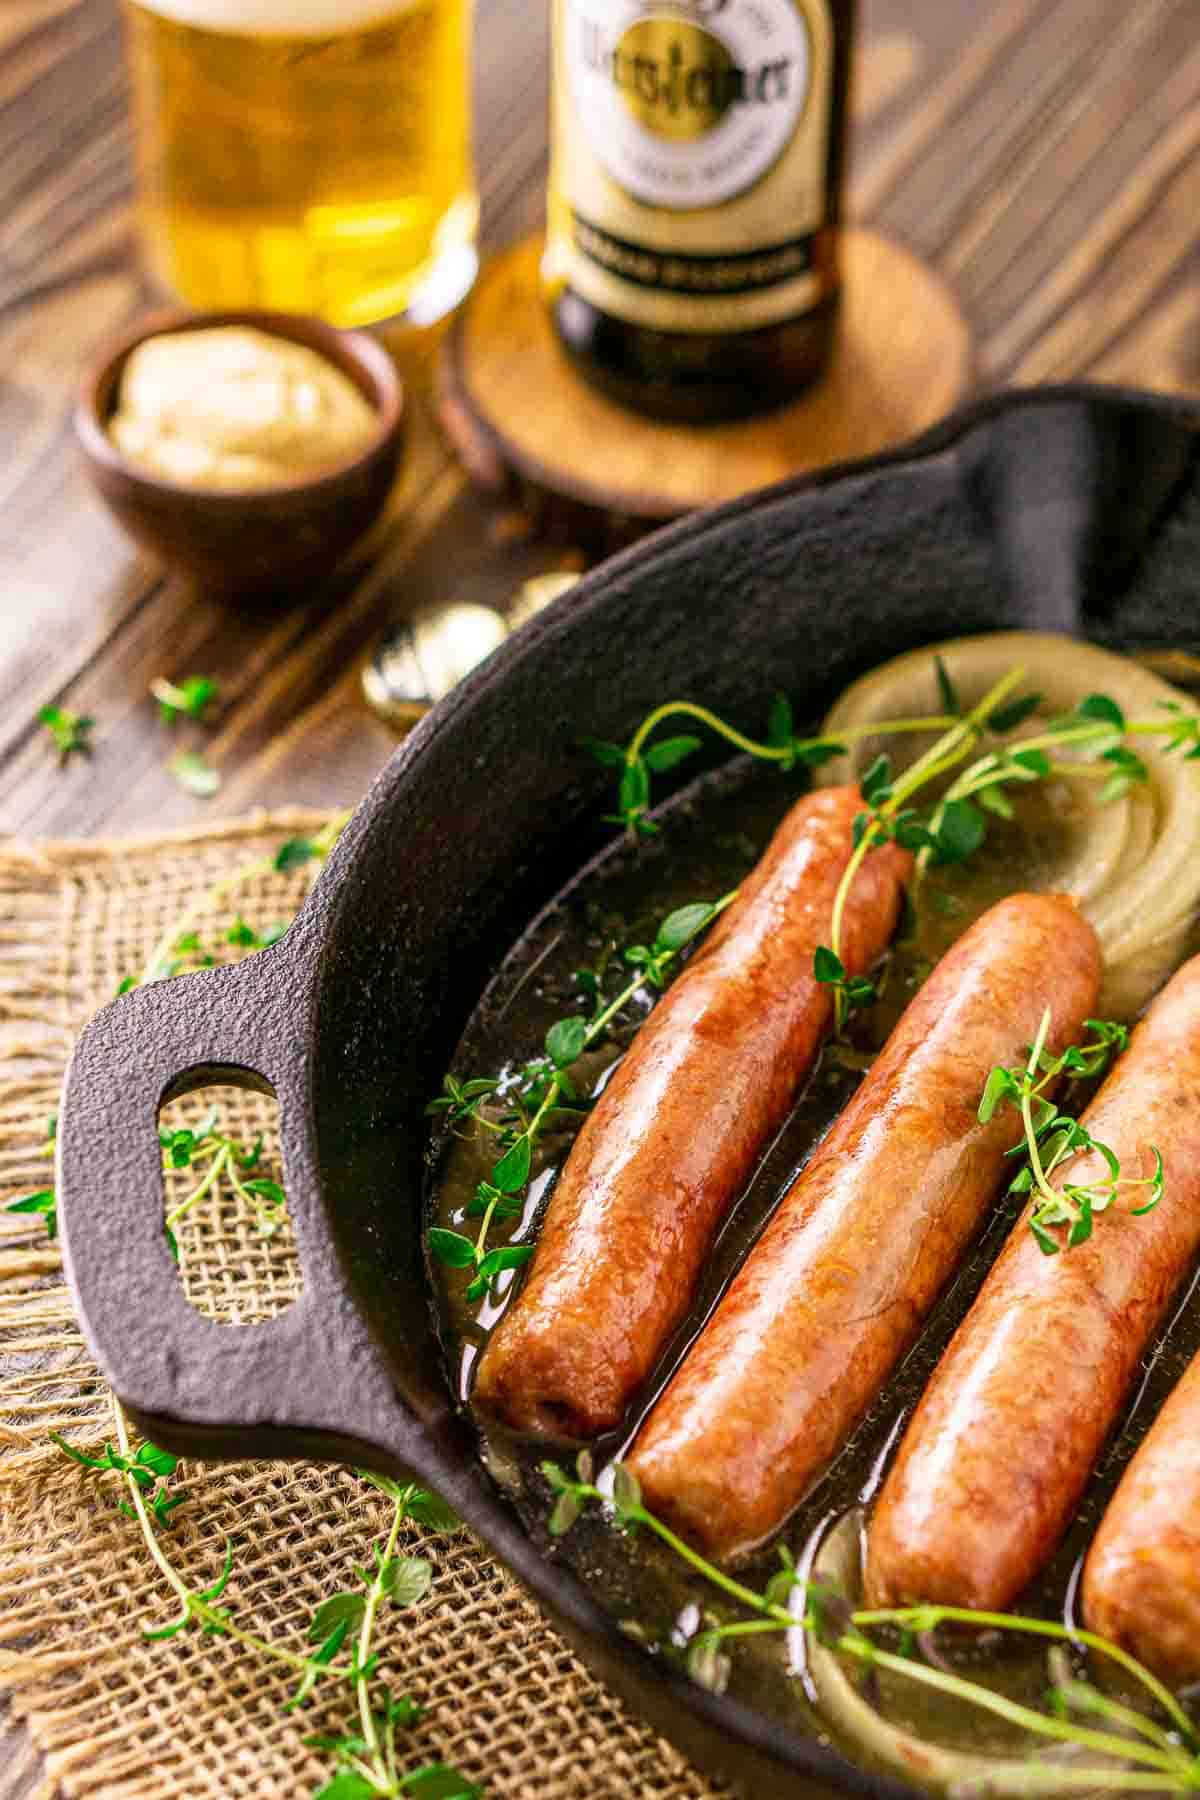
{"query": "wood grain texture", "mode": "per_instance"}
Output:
(1041, 153)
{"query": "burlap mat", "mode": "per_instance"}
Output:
(111, 1713)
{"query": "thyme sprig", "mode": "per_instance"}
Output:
(366, 1759)
(70, 732)
(1166, 1760)
(293, 853)
(263, 1198)
(178, 952)
(1097, 724)
(1050, 1137)
(184, 1147)
(342, 1627)
(949, 832)
(640, 759)
(183, 699)
(957, 825)
(952, 833)
(544, 1092)
(193, 772)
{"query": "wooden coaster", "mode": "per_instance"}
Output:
(521, 417)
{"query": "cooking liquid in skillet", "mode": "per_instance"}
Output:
(712, 835)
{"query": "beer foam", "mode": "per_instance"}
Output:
(280, 18)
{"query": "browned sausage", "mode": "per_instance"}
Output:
(1141, 1583)
(673, 1138)
(836, 1289)
(1000, 1448)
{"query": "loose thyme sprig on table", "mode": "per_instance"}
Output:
(294, 853)
(1166, 1759)
(543, 1093)
(194, 773)
(184, 699)
(178, 952)
(365, 1759)
(1050, 1137)
(70, 732)
(182, 1147)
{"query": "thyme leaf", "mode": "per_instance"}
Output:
(70, 732)
(947, 693)
(668, 752)
(43, 1203)
(193, 773)
(1004, 719)
(185, 699)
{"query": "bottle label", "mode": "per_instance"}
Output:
(691, 144)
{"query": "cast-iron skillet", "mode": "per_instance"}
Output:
(1065, 509)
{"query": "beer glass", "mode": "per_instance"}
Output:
(312, 155)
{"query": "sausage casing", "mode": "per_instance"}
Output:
(1002, 1443)
(837, 1287)
(1141, 1582)
(675, 1134)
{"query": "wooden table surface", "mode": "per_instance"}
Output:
(1044, 155)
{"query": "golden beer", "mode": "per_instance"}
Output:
(311, 155)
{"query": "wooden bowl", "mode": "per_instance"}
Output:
(248, 541)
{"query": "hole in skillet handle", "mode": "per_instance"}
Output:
(224, 1206)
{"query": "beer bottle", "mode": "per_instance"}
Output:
(691, 256)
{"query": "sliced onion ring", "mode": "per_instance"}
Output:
(960, 1774)
(1135, 865)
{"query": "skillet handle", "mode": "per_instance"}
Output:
(309, 1381)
